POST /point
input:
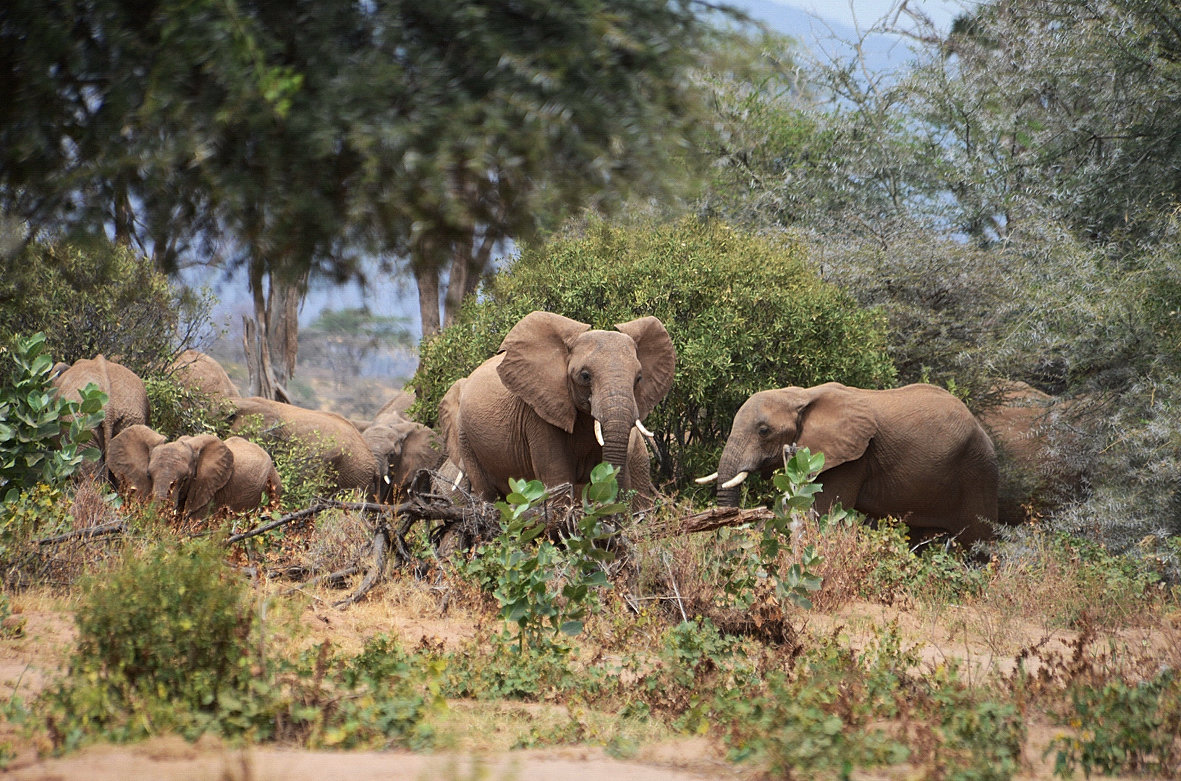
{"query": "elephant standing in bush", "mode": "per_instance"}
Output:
(401, 450)
(194, 474)
(332, 437)
(127, 397)
(560, 398)
(194, 369)
(914, 452)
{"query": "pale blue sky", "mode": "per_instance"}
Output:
(866, 12)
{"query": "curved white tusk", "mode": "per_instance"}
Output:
(386, 478)
(706, 479)
(459, 479)
(643, 430)
(735, 480)
(599, 432)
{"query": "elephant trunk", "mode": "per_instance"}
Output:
(617, 416)
(731, 464)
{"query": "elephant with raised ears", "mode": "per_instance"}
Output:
(330, 436)
(559, 398)
(915, 453)
(127, 397)
(195, 475)
(401, 450)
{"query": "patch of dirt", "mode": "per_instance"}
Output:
(34, 658)
(173, 759)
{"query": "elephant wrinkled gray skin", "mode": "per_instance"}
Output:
(449, 420)
(194, 369)
(401, 450)
(560, 398)
(331, 436)
(127, 402)
(193, 474)
(914, 452)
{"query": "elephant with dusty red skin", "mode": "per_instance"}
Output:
(558, 399)
(914, 453)
(197, 474)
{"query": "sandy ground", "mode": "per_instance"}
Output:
(979, 642)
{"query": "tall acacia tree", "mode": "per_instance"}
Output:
(290, 137)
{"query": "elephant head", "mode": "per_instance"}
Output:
(561, 369)
(402, 449)
(185, 473)
(827, 418)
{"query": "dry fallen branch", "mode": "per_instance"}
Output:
(708, 520)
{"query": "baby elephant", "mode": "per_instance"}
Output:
(915, 453)
(194, 474)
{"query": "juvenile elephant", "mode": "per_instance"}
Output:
(194, 369)
(127, 398)
(914, 452)
(559, 398)
(193, 474)
(332, 437)
(401, 449)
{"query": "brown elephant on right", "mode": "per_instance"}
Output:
(332, 437)
(194, 369)
(1034, 448)
(915, 453)
(127, 397)
(193, 474)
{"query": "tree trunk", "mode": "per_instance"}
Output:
(461, 267)
(428, 299)
(271, 337)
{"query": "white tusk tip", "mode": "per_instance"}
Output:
(599, 432)
(706, 479)
(735, 480)
(643, 430)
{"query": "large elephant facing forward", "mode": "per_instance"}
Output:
(559, 398)
(914, 452)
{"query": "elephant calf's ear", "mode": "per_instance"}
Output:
(128, 454)
(215, 466)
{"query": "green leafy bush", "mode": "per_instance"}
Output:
(42, 437)
(745, 313)
(179, 410)
(94, 296)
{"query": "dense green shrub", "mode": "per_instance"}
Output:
(745, 313)
(93, 296)
(180, 410)
(42, 437)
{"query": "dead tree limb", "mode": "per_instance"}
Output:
(381, 543)
(102, 530)
(708, 520)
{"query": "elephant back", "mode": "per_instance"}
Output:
(127, 396)
(194, 369)
(254, 473)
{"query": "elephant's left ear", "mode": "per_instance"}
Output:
(536, 352)
(658, 359)
(215, 465)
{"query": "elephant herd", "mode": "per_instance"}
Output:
(200, 474)
(557, 399)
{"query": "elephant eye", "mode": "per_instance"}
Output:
(764, 429)
(584, 375)
(639, 378)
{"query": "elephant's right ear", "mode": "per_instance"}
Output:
(836, 421)
(536, 352)
(215, 466)
(449, 417)
(128, 454)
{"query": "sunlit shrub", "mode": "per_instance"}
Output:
(745, 313)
